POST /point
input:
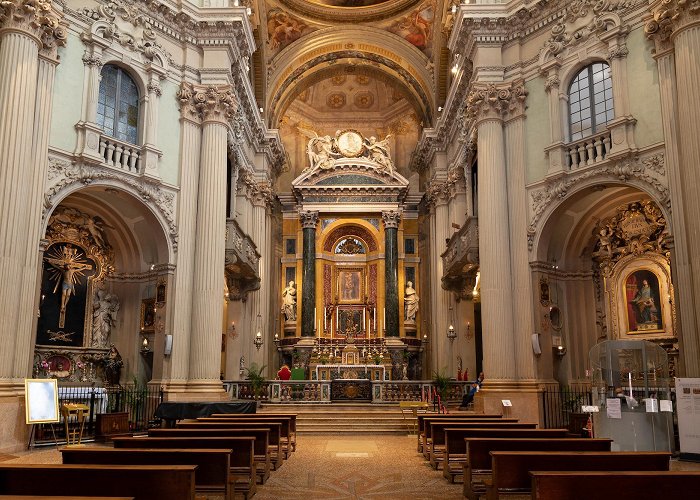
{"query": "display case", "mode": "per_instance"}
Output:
(631, 388)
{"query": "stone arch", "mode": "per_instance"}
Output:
(386, 51)
(358, 228)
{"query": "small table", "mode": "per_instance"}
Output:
(74, 437)
(413, 406)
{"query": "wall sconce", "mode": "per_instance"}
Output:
(451, 333)
(559, 350)
(468, 334)
(145, 349)
(258, 340)
(276, 340)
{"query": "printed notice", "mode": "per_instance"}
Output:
(506, 402)
(666, 405)
(613, 408)
(590, 409)
(652, 405)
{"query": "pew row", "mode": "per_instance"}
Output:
(143, 482)
(427, 436)
(286, 430)
(243, 467)
(213, 474)
(252, 416)
(436, 447)
(511, 469)
(261, 454)
(635, 485)
(478, 465)
(420, 421)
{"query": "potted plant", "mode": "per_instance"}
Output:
(441, 382)
(377, 358)
(257, 381)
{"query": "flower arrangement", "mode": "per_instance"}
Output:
(44, 365)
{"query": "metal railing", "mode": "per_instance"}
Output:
(140, 402)
(562, 407)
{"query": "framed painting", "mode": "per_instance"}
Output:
(644, 305)
(41, 401)
(148, 315)
(350, 286)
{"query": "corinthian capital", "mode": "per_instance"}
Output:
(309, 219)
(670, 16)
(37, 18)
(207, 102)
(391, 219)
(495, 101)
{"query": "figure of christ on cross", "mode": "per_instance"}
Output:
(68, 269)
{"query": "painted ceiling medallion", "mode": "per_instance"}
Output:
(336, 100)
(364, 100)
(350, 143)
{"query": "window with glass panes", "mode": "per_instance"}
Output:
(590, 101)
(118, 104)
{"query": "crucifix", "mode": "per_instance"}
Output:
(68, 267)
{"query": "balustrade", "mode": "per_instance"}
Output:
(119, 154)
(589, 151)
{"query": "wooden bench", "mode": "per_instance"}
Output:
(276, 439)
(243, 469)
(285, 429)
(436, 445)
(553, 485)
(478, 464)
(213, 474)
(252, 416)
(143, 482)
(420, 421)
(427, 430)
(261, 449)
(511, 469)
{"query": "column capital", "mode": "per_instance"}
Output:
(495, 101)
(92, 59)
(552, 83)
(309, 219)
(669, 17)
(618, 52)
(207, 102)
(36, 18)
(391, 219)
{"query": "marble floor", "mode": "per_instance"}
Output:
(343, 467)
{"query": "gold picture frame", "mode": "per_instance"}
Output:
(41, 401)
(148, 315)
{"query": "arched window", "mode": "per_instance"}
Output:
(590, 100)
(118, 104)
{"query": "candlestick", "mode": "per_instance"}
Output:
(384, 319)
(314, 315)
(374, 314)
(364, 325)
(630, 379)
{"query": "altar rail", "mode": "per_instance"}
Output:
(319, 391)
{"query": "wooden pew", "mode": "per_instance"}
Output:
(427, 437)
(143, 482)
(436, 445)
(213, 474)
(43, 497)
(478, 465)
(420, 421)
(252, 416)
(636, 485)
(261, 455)
(285, 430)
(243, 467)
(511, 469)
(276, 441)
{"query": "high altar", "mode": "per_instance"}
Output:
(349, 267)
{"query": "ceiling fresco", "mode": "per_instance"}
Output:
(348, 3)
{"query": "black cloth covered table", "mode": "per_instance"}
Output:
(173, 410)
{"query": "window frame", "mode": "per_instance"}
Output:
(121, 72)
(593, 106)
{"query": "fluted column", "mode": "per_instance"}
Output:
(23, 23)
(442, 316)
(187, 224)
(486, 105)
(391, 219)
(32, 264)
(308, 273)
(216, 107)
(517, 216)
(676, 25)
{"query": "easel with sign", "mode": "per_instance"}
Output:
(74, 436)
(41, 405)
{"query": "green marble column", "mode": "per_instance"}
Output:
(308, 273)
(391, 271)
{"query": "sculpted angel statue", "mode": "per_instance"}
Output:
(320, 150)
(380, 153)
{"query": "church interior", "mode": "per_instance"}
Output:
(361, 213)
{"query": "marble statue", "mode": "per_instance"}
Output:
(104, 317)
(113, 366)
(410, 301)
(379, 153)
(289, 302)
